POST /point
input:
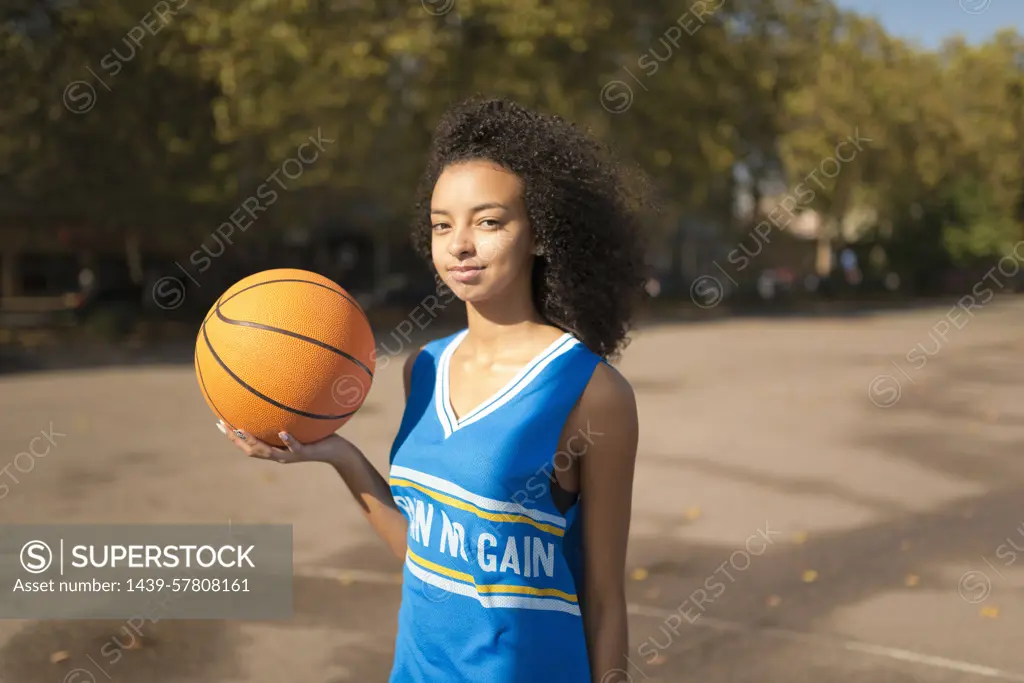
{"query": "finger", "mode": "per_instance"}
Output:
(261, 449)
(256, 447)
(290, 443)
(233, 437)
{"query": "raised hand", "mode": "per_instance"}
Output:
(329, 449)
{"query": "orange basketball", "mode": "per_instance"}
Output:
(285, 350)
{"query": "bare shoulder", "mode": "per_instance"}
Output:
(608, 400)
(609, 392)
(410, 361)
(407, 367)
(606, 417)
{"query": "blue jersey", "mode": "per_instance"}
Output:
(492, 577)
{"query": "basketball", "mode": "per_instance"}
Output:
(285, 350)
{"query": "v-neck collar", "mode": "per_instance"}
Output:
(522, 379)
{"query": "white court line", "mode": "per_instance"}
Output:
(363, 576)
(851, 645)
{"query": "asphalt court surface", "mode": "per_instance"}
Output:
(888, 510)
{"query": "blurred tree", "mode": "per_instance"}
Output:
(112, 123)
(975, 226)
(985, 86)
(134, 116)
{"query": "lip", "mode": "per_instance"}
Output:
(465, 273)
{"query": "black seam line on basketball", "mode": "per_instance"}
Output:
(202, 383)
(269, 400)
(268, 282)
(308, 282)
(209, 315)
(294, 335)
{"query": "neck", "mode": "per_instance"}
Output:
(503, 317)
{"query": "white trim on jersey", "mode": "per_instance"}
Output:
(522, 379)
(488, 504)
(490, 600)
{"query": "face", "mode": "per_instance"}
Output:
(482, 243)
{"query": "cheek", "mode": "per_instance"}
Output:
(499, 248)
(437, 251)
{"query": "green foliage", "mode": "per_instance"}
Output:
(977, 228)
(212, 97)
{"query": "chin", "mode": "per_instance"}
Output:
(471, 294)
(474, 293)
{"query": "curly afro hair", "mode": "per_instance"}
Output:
(583, 206)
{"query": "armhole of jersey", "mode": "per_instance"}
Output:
(417, 361)
(429, 355)
(413, 381)
(571, 498)
(433, 349)
(572, 544)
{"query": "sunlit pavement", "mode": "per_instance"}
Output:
(826, 499)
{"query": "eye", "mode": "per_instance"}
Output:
(490, 223)
(440, 227)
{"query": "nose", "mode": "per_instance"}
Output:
(460, 242)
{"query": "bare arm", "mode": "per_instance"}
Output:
(606, 488)
(369, 488)
(373, 493)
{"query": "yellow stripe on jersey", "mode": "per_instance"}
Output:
(482, 502)
(492, 588)
(483, 514)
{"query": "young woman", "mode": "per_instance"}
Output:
(511, 475)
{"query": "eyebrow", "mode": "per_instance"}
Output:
(476, 209)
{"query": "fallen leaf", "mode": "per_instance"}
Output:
(658, 659)
(912, 580)
(639, 574)
(800, 537)
(692, 513)
(810, 576)
(773, 601)
(59, 656)
(136, 644)
(990, 611)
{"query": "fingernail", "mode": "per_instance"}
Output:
(239, 433)
(221, 428)
(284, 436)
